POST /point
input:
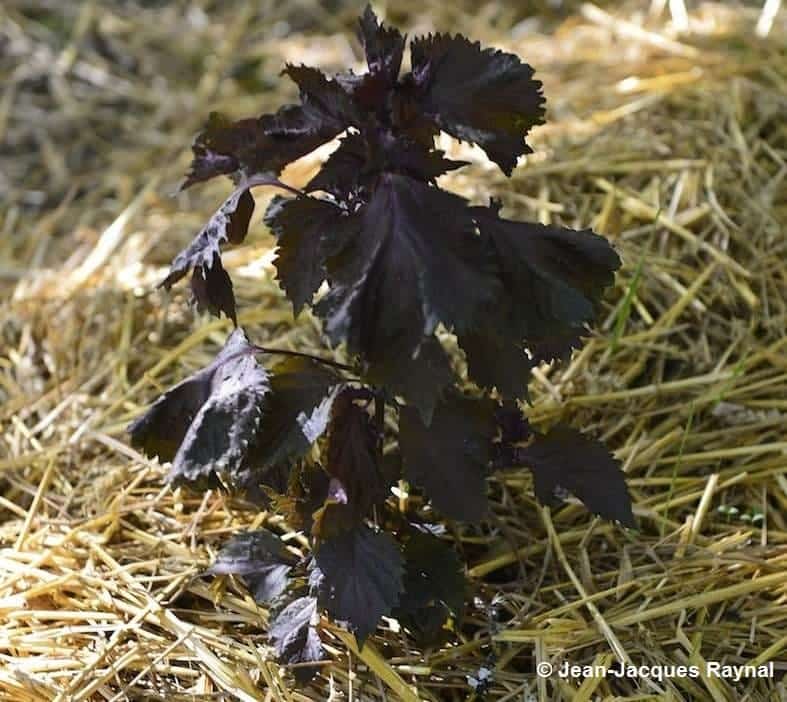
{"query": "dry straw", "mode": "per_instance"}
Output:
(667, 133)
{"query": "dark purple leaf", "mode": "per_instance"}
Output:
(449, 458)
(566, 459)
(218, 437)
(552, 280)
(220, 147)
(421, 381)
(383, 46)
(161, 430)
(360, 159)
(362, 578)
(307, 231)
(433, 574)
(484, 96)
(260, 558)
(210, 284)
(265, 145)
(295, 415)
(434, 587)
(355, 458)
(494, 360)
(324, 100)
(294, 636)
(415, 262)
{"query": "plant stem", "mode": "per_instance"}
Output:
(301, 354)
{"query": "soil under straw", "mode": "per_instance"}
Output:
(674, 146)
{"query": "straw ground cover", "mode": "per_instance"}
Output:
(673, 145)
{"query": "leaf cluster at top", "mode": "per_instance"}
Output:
(400, 257)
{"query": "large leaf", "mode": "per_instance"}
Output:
(450, 457)
(260, 558)
(552, 281)
(205, 422)
(361, 578)
(565, 459)
(560, 273)
(415, 262)
(484, 96)
(308, 230)
(211, 286)
(295, 638)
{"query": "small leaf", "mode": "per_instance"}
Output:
(219, 148)
(484, 96)
(362, 578)
(384, 46)
(254, 146)
(161, 430)
(323, 99)
(565, 458)
(260, 558)
(449, 458)
(211, 286)
(355, 456)
(294, 636)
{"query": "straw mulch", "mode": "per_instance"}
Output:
(673, 144)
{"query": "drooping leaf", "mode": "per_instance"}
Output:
(211, 286)
(383, 46)
(163, 428)
(484, 96)
(294, 636)
(219, 434)
(307, 231)
(449, 458)
(362, 578)
(295, 415)
(415, 262)
(565, 458)
(434, 587)
(260, 558)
